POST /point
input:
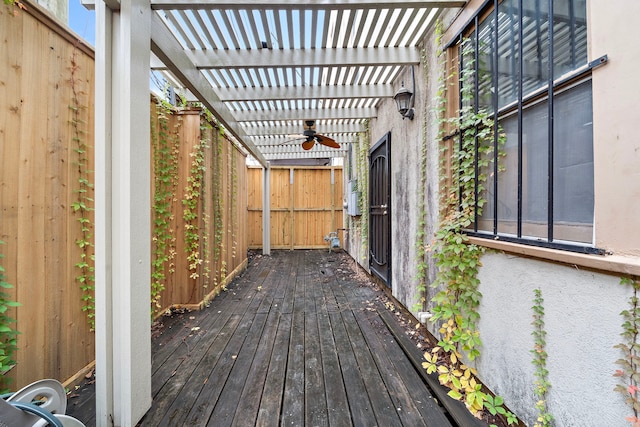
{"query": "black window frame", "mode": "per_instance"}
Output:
(547, 93)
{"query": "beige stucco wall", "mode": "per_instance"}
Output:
(583, 297)
(582, 305)
(616, 116)
(58, 8)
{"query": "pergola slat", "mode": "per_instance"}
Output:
(166, 47)
(309, 4)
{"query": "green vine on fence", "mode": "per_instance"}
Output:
(205, 132)
(8, 334)
(629, 372)
(234, 205)
(83, 205)
(190, 213)
(165, 165)
(16, 3)
(225, 232)
(216, 185)
(539, 353)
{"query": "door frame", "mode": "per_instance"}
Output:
(386, 142)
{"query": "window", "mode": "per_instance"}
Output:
(533, 76)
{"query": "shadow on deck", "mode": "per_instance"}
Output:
(296, 340)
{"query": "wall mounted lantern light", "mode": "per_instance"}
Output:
(404, 99)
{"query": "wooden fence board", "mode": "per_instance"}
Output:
(56, 204)
(10, 131)
(221, 211)
(31, 245)
(43, 72)
(302, 213)
(184, 291)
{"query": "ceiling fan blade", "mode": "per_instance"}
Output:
(325, 140)
(307, 145)
(294, 138)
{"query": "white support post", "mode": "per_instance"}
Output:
(266, 210)
(123, 237)
(104, 330)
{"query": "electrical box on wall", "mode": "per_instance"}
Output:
(353, 199)
(353, 208)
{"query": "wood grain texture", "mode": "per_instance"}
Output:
(45, 73)
(38, 183)
(296, 340)
(221, 209)
(302, 211)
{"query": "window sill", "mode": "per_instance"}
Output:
(616, 264)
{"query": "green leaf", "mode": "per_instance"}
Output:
(454, 394)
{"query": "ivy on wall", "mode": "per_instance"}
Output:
(203, 201)
(457, 259)
(361, 223)
(458, 297)
(628, 373)
(422, 240)
(539, 352)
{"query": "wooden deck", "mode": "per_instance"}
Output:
(296, 340)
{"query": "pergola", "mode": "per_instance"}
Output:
(261, 68)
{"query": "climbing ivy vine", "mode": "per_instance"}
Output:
(539, 353)
(628, 373)
(361, 153)
(218, 207)
(83, 205)
(165, 165)
(205, 132)
(190, 212)
(422, 243)
(16, 3)
(457, 259)
(8, 334)
(234, 203)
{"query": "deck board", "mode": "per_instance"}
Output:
(292, 342)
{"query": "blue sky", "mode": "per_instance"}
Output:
(82, 21)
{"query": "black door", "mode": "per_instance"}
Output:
(380, 210)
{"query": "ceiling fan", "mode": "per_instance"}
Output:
(311, 137)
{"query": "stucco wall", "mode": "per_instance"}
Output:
(583, 324)
(615, 111)
(582, 306)
(58, 8)
(407, 138)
